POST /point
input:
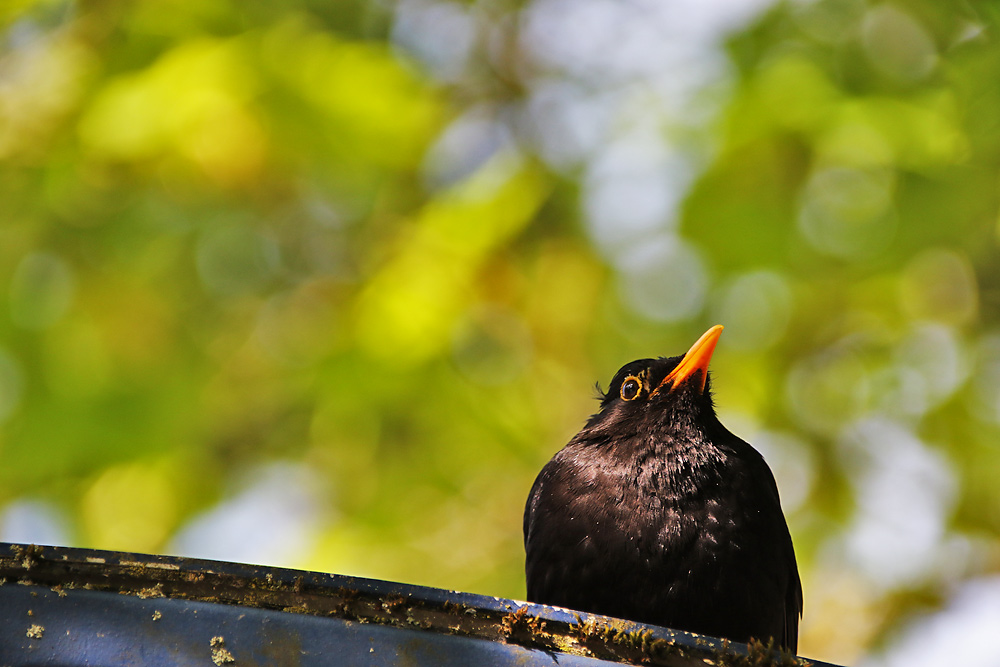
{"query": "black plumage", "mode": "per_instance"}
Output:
(655, 512)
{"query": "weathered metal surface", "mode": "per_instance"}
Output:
(70, 607)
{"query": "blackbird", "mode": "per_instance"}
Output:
(654, 512)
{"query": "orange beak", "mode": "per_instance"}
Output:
(695, 360)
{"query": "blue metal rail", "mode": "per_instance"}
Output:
(77, 607)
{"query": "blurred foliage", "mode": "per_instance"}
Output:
(338, 257)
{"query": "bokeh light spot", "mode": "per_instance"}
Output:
(897, 44)
(934, 351)
(30, 521)
(41, 82)
(235, 259)
(466, 145)
(634, 188)
(791, 461)
(129, 507)
(848, 213)
(755, 308)
(829, 390)
(665, 280)
(905, 491)
(940, 284)
(298, 328)
(272, 520)
(193, 101)
(439, 34)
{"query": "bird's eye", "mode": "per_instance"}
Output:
(630, 388)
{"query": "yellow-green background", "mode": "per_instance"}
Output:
(324, 284)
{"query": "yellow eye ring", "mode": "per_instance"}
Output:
(631, 388)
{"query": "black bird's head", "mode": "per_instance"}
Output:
(668, 392)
